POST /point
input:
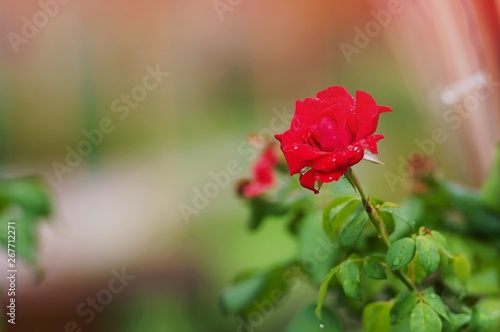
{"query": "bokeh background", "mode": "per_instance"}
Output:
(232, 66)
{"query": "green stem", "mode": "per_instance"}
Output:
(374, 217)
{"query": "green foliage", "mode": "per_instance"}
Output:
(323, 290)
(490, 192)
(376, 317)
(486, 316)
(430, 298)
(401, 253)
(374, 268)
(306, 320)
(461, 268)
(28, 193)
(353, 229)
(404, 306)
(261, 209)
(427, 264)
(258, 292)
(349, 279)
(428, 255)
(23, 202)
(315, 251)
(423, 318)
(337, 213)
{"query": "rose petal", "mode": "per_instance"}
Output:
(307, 110)
(329, 137)
(308, 181)
(367, 112)
(303, 151)
(371, 142)
(337, 160)
(294, 164)
(326, 163)
(263, 169)
(336, 92)
(384, 109)
(330, 177)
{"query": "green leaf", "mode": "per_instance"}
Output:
(261, 208)
(388, 204)
(374, 269)
(349, 279)
(440, 243)
(315, 251)
(486, 316)
(30, 193)
(424, 319)
(428, 255)
(307, 321)
(404, 306)
(461, 268)
(491, 187)
(455, 322)
(402, 326)
(259, 292)
(475, 217)
(400, 253)
(435, 302)
(439, 239)
(238, 296)
(397, 213)
(418, 273)
(337, 212)
(353, 229)
(484, 282)
(376, 317)
(323, 290)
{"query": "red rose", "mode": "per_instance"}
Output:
(263, 174)
(330, 133)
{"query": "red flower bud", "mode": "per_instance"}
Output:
(263, 173)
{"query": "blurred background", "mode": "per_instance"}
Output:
(130, 110)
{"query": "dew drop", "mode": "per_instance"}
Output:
(321, 326)
(395, 261)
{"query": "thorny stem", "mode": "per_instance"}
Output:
(374, 217)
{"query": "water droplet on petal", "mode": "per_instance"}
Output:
(395, 261)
